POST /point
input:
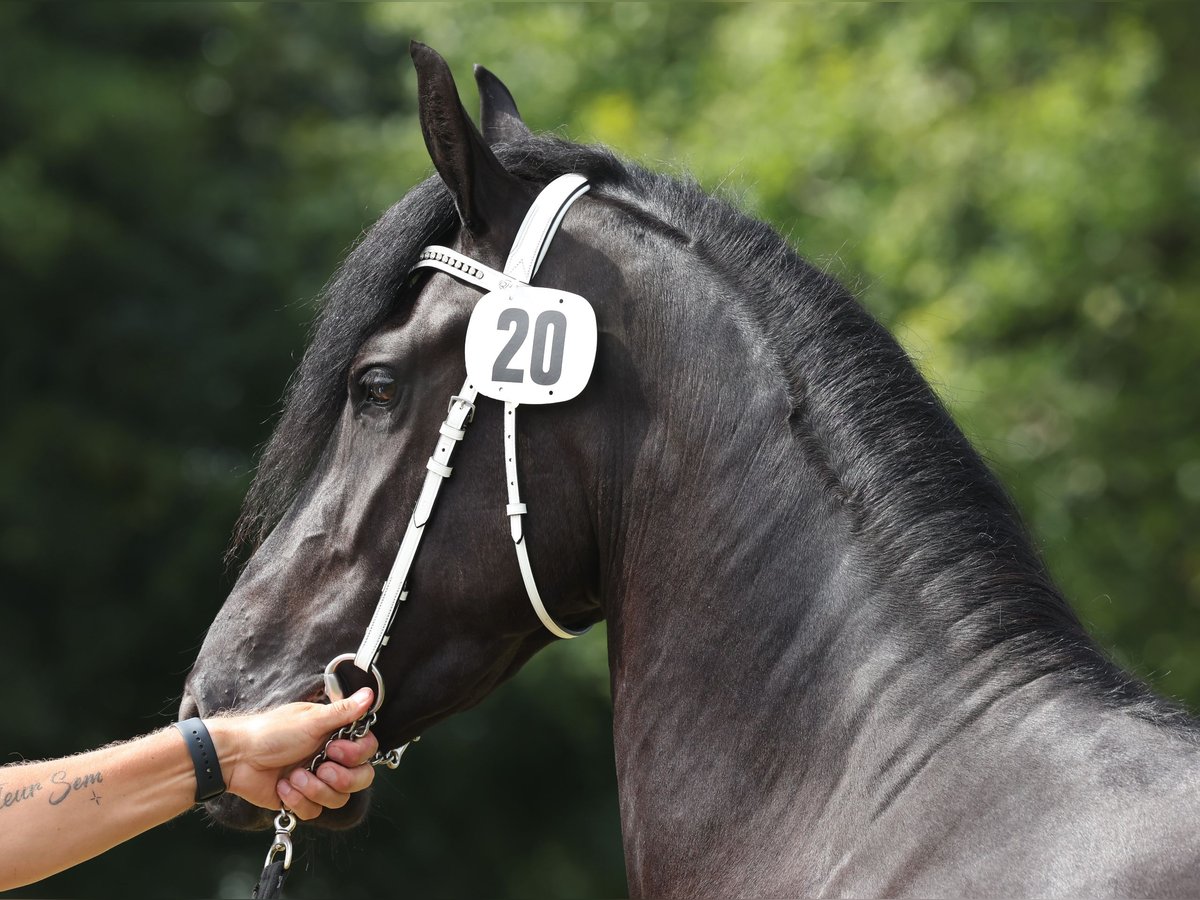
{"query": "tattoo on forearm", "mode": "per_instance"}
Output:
(67, 784)
(61, 786)
(16, 795)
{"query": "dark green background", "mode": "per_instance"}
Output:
(1014, 190)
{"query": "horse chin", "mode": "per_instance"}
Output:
(234, 812)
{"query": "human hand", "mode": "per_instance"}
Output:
(264, 756)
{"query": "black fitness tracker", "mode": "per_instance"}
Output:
(209, 783)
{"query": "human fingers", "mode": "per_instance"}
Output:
(328, 718)
(317, 790)
(353, 753)
(294, 800)
(280, 737)
(346, 780)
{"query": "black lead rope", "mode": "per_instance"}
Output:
(270, 882)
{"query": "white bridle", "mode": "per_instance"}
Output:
(567, 374)
(528, 249)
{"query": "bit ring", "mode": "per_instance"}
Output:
(333, 687)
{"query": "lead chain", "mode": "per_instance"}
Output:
(352, 732)
(285, 821)
(357, 731)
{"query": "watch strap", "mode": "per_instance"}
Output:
(209, 783)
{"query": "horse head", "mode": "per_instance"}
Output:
(339, 480)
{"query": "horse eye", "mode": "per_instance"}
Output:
(379, 387)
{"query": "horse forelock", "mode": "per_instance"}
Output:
(361, 294)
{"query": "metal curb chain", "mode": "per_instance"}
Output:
(356, 731)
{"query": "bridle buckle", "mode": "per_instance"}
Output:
(465, 402)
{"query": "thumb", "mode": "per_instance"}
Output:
(344, 711)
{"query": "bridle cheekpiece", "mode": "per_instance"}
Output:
(524, 344)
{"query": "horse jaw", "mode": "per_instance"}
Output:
(232, 811)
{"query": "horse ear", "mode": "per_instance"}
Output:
(483, 191)
(498, 110)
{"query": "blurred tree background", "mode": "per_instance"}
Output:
(1014, 190)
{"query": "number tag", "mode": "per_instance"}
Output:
(531, 345)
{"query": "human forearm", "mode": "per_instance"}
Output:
(48, 810)
(58, 813)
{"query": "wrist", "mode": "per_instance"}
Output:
(227, 738)
(206, 756)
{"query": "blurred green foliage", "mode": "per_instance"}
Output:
(1014, 190)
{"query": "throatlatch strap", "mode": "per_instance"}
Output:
(528, 250)
(516, 512)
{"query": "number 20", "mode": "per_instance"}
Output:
(515, 316)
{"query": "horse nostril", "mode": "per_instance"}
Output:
(316, 695)
(188, 708)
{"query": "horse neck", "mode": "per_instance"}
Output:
(791, 602)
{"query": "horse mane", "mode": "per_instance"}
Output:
(354, 303)
(936, 518)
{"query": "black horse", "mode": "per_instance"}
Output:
(838, 663)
